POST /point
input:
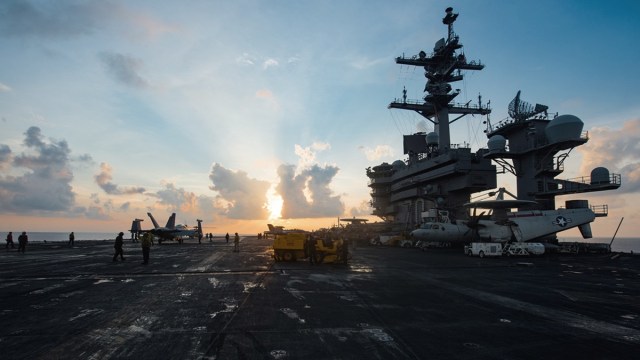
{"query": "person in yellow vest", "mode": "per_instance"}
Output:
(147, 240)
(236, 243)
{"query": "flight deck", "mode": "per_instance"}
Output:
(203, 301)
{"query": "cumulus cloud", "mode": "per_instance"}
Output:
(177, 199)
(46, 182)
(379, 152)
(245, 198)
(4, 88)
(363, 209)
(124, 69)
(313, 181)
(104, 177)
(307, 155)
(617, 150)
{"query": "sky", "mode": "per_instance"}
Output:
(243, 113)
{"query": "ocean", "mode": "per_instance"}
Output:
(620, 244)
(35, 236)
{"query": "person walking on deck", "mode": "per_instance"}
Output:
(118, 247)
(10, 240)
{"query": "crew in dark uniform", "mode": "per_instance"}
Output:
(118, 246)
(311, 248)
(23, 239)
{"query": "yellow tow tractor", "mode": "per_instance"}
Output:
(291, 246)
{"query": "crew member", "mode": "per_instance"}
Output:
(311, 248)
(118, 246)
(10, 240)
(147, 240)
(23, 239)
(236, 243)
(72, 238)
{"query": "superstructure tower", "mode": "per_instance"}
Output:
(437, 173)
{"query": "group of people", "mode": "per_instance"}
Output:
(147, 240)
(23, 239)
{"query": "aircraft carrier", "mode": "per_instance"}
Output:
(204, 301)
(440, 177)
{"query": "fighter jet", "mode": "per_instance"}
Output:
(171, 231)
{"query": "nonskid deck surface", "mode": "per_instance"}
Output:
(203, 301)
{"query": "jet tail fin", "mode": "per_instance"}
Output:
(136, 226)
(155, 223)
(171, 223)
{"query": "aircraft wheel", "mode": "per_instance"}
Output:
(288, 256)
(481, 253)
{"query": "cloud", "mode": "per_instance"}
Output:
(379, 152)
(307, 155)
(4, 88)
(363, 209)
(362, 63)
(145, 24)
(270, 63)
(245, 198)
(93, 212)
(245, 59)
(103, 179)
(5, 156)
(24, 18)
(177, 199)
(65, 19)
(616, 150)
(45, 184)
(124, 69)
(315, 182)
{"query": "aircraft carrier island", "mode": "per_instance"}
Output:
(436, 180)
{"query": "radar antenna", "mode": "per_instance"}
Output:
(521, 110)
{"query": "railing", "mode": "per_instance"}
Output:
(600, 210)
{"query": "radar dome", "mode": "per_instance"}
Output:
(600, 175)
(563, 128)
(432, 138)
(497, 143)
(398, 165)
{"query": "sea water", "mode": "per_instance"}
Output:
(619, 244)
(35, 236)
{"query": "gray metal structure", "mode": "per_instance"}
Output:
(441, 175)
(437, 174)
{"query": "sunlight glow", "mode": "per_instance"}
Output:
(274, 205)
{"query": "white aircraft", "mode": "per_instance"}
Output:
(171, 231)
(507, 226)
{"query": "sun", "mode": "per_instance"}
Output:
(274, 206)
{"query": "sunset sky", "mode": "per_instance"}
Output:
(243, 113)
